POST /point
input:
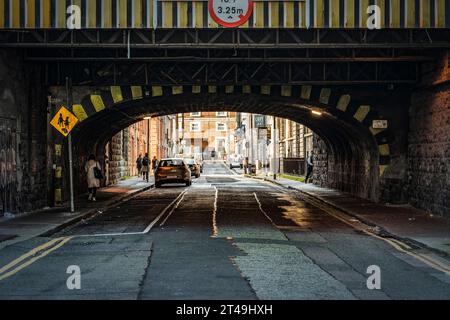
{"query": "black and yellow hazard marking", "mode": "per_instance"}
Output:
(17, 14)
(360, 113)
(31, 257)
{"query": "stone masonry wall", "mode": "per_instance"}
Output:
(429, 141)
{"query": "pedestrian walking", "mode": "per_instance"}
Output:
(154, 164)
(309, 166)
(139, 165)
(145, 167)
(93, 176)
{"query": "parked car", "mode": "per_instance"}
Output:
(194, 167)
(172, 170)
(234, 162)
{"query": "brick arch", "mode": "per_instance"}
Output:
(339, 104)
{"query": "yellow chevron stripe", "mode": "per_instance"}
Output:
(350, 14)
(343, 102)
(246, 89)
(122, 13)
(361, 113)
(107, 13)
(183, 14)
(2, 13)
(265, 89)
(425, 14)
(15, 14)
(259, 14)
(46, 17)
(306, 92)
(177, 90)
(167, 8)
(212, 89)
(137, 6)
(395, 13)
(79, 112)
(274, 19)
(196, 89)
(116, 93)
(440, 13)
(136, 92)
(198, 11)
(384, 149)
(382, 169)
(289, 14)
(286, 91)
(97, 102)
(411, 13)
(325, 94)
(157, 91)
(31, 17)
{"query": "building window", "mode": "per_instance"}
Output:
(195, 126)
(196, 114)
(221, 126)
(221, 114)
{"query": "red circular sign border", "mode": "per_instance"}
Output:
(243, 20)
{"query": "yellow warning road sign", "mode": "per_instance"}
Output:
(64, 121)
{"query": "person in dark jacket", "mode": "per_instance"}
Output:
(309, 166)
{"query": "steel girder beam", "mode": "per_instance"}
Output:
(227, 38)
(223, 73)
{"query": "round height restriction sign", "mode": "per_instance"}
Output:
(230, 13)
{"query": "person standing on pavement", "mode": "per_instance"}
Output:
(309, 166)
(154, 164)
(139, 165)
(93, 172)
(145, 167)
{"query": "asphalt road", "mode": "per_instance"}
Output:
(225, 237)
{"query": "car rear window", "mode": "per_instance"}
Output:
(171, 163)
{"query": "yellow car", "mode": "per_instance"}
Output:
(172, 171)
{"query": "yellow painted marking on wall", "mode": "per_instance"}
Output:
(137, 10)
(265, 89)
(286, 91)
(395, 13)
(58, 172)
(58, 149)
(196, 89)
(157, 91)
(363, 13)
(62, 19)
(361, 113)
(92, 14)
(97, 102)
(136, 92)
(382, 169)
(411, 13)
(212, 89)
(198, 9)
(335, 13)
(15, 13)
(58, 195)
(107, 13)
(183, 14)
(79, 112)
(122, 13)
(167, 8)
(2, 13)
(384, 149)
(349, 14)
(116, 93)
(306, 92)
(343, 102)
(289, 14)
(246, 89)
(46, 17)
(274, 18)
(302, 10)
(259, 14)
(381, 4)
(425, 13)
(229, 89)
(325, 94)
(31, 17)
(35, 255)
(177, 90)
(319, 21)
(440, 13)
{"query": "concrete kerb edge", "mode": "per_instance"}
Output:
(92, 212)
(383, 232)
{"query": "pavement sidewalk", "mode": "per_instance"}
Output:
(46, 221)
(402, 221)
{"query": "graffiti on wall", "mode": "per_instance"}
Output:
(8, 166)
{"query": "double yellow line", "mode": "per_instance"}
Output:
(32, 256)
